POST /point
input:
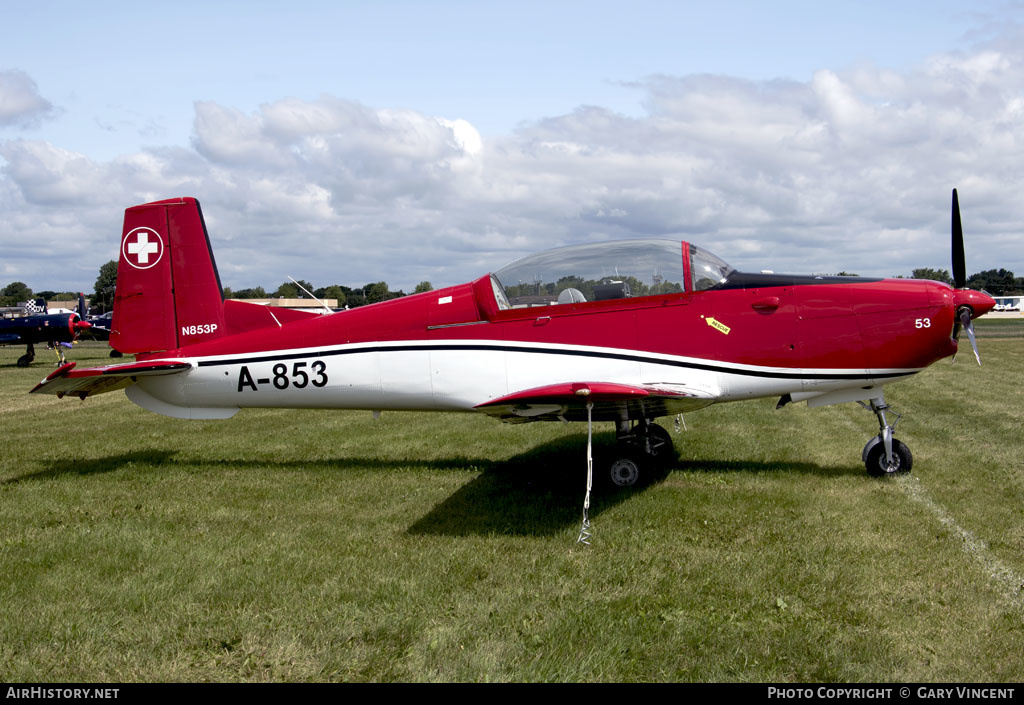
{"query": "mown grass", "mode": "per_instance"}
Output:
(304, 545)
(999, 327)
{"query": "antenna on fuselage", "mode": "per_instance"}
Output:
(327, 309)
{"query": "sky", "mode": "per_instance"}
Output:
(352, 142)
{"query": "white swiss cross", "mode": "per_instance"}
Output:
(139, 244)
(143, 248)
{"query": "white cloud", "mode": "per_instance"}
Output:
(20, 102)
(227, 136)
(48, 175)
(850, 170)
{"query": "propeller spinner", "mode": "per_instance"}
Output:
(77, 322)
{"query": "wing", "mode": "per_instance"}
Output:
(99, 380)
(611, 402)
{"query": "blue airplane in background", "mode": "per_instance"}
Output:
(34, 324)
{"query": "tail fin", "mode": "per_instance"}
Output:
(168, 290)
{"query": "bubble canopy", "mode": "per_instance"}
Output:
(608, 270)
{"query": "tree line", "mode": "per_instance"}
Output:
(102, 298)
(371, 293)
(997, 282)
(374, 292)
(586, 287)
(17, 292)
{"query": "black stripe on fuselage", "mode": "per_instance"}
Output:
(757, 280)
(276, 357)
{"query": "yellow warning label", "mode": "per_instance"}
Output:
(718, 325)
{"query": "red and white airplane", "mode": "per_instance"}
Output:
(612, 331)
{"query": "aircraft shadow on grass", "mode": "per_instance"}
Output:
(536, 493)
(95, 466)
(540, 492)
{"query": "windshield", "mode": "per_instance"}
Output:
(594, 272)
(706, 269)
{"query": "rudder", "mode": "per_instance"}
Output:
(168, 291)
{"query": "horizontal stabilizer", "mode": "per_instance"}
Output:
(611, 401)
(242, 316)
(99, 380)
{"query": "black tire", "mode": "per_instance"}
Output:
(876, 463)
(26, 360)
(115, 353)
(625, 470)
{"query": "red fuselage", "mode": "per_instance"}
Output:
(781, 322)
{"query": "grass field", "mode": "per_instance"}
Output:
(304, 545)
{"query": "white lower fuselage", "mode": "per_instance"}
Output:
(457, 375)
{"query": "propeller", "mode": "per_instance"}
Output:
(964, 313)
(965, 320)
(81, 324)
(959, 265)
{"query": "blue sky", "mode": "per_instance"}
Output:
(119, 68)
(206, 96)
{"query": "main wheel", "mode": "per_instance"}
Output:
(26, 360)
(877, 465)
(624, 471)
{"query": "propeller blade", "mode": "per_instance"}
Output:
(965, 319)
(959, 264)
(78, 326)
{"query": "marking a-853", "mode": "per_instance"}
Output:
(300, 376)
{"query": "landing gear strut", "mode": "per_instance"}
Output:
(59, 351)
(640, 447)
(884, 455)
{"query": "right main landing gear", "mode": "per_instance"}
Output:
(640, 448)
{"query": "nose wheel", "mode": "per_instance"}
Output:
(884, 455)
(878, 465)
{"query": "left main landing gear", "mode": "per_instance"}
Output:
(884, 455)
(30, 355)
(640, 449)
